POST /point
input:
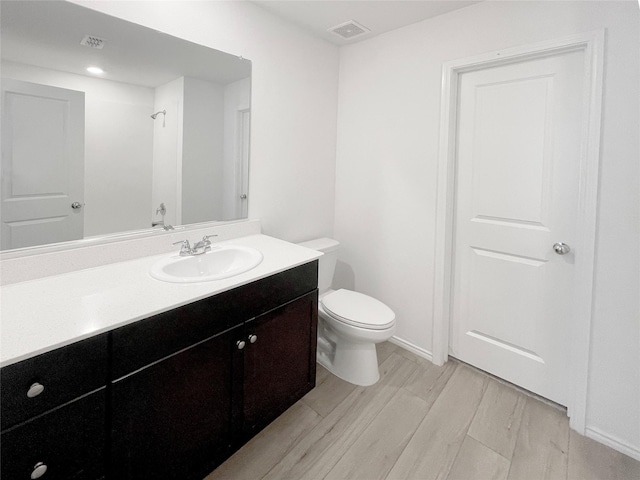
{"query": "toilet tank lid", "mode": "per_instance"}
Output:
(323, 244)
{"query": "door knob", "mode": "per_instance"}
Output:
(253, 338)
(243, 196)
(561, 248)
(76, 205)
(240, 344)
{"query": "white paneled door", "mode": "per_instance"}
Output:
(42, 164)
(517, 185)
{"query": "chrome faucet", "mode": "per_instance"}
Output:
(203, 246)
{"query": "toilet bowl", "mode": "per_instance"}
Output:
(349, 323)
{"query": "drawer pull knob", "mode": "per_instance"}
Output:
(253, 338)
(39, 470)
(240, 344)
(35, 390)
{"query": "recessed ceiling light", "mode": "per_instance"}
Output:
(95, 70)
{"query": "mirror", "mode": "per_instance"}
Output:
(158, 137)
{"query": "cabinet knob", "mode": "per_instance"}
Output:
(240, 344)
(35, 390)
(38, 470)
(253, 338)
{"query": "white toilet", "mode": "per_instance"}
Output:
(349, 323)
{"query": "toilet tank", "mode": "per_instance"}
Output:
(327, 262)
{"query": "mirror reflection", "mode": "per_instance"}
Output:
(111, 127)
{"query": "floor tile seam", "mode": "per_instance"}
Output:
(316, 411)
(485, 387)
(490, 447)
(293, 444)
(405, 388)
(465, 433)
(455, 459)
(373, 417)
(398, 392)
(324, 429)
(417, 429)
(519, 439)
(346, 447)
(517, 434)
(355, 393)
(569, 456)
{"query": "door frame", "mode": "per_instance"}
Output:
(592, 44)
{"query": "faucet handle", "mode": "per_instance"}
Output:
(206, 242)
(185, 249)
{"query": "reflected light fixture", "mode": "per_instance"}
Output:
(95, 70)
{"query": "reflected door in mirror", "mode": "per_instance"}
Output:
(42, 164)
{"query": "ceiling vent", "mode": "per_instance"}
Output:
(349, 29)
(92, 42)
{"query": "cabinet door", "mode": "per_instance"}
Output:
(172, 419)
(280, 366)
(67, 443)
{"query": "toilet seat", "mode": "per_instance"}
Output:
(357, 309)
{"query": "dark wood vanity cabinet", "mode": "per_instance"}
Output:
(181, 404)
(167, 397)
(54, 414)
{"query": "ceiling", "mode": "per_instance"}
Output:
(379, 16)
(48, 33)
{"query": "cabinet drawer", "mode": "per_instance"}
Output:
(157, 337)
(69, 442)
(65, 373)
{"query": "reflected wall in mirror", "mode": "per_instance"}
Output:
(159, 136)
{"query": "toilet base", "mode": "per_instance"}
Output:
(355, 363)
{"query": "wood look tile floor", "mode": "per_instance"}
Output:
(423, 422)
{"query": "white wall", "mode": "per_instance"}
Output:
(118, 147)
(294, 101)
(202, 151)
(388, 126)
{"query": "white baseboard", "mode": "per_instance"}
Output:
(421, 352)
(613, 442)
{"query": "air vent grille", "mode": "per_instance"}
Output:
(92, 42)
(349, 29)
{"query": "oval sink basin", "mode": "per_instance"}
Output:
(220, 262)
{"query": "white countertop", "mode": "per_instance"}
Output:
(41, 315)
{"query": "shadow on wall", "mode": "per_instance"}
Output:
(344, 277)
